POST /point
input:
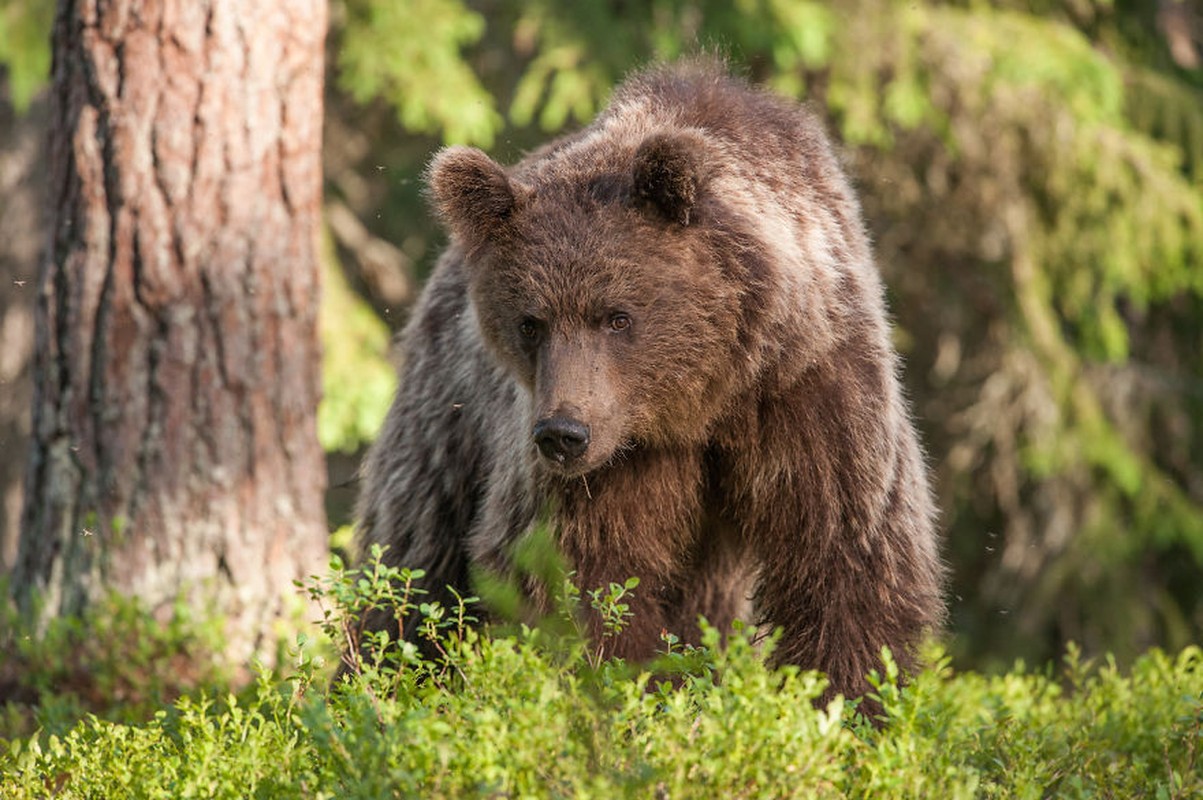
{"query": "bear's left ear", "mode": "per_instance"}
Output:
(471, 193)
(668, 173)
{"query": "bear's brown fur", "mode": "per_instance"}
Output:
(667, 327)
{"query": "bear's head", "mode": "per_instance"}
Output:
(604, 279)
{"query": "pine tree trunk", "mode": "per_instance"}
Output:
(177, 363)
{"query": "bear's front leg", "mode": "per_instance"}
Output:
(832, 496)
(838, 603)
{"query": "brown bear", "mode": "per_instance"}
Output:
(668, 329)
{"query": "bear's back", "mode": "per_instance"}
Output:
(749, 126)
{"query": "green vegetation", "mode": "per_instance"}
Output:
(358, 381)
(118, 660)
(418, 68)
(1032, 172)
(530, 712)
(25, 47)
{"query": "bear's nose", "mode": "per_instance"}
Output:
(561, 439)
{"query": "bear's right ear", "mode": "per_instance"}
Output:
(471, 193)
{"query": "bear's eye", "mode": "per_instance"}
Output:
(620, 321)
(529, 328)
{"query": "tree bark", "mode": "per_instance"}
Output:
(177, 364)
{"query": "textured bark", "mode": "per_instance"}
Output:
(176, 369)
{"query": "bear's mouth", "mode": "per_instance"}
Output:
(567, 468)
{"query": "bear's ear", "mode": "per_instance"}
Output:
(471, 193)
(668, 173)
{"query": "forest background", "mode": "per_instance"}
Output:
(1032, 175)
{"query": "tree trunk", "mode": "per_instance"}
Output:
(177, 364)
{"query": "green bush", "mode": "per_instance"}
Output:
(118, 661)
(530, 712)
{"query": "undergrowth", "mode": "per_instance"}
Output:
(536, 710)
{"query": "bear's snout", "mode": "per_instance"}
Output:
(561, 439)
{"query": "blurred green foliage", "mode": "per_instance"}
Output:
(25, 46)
(1032, 172)
(410, 55)
(358, 380)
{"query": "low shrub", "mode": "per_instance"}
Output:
(532, 711)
